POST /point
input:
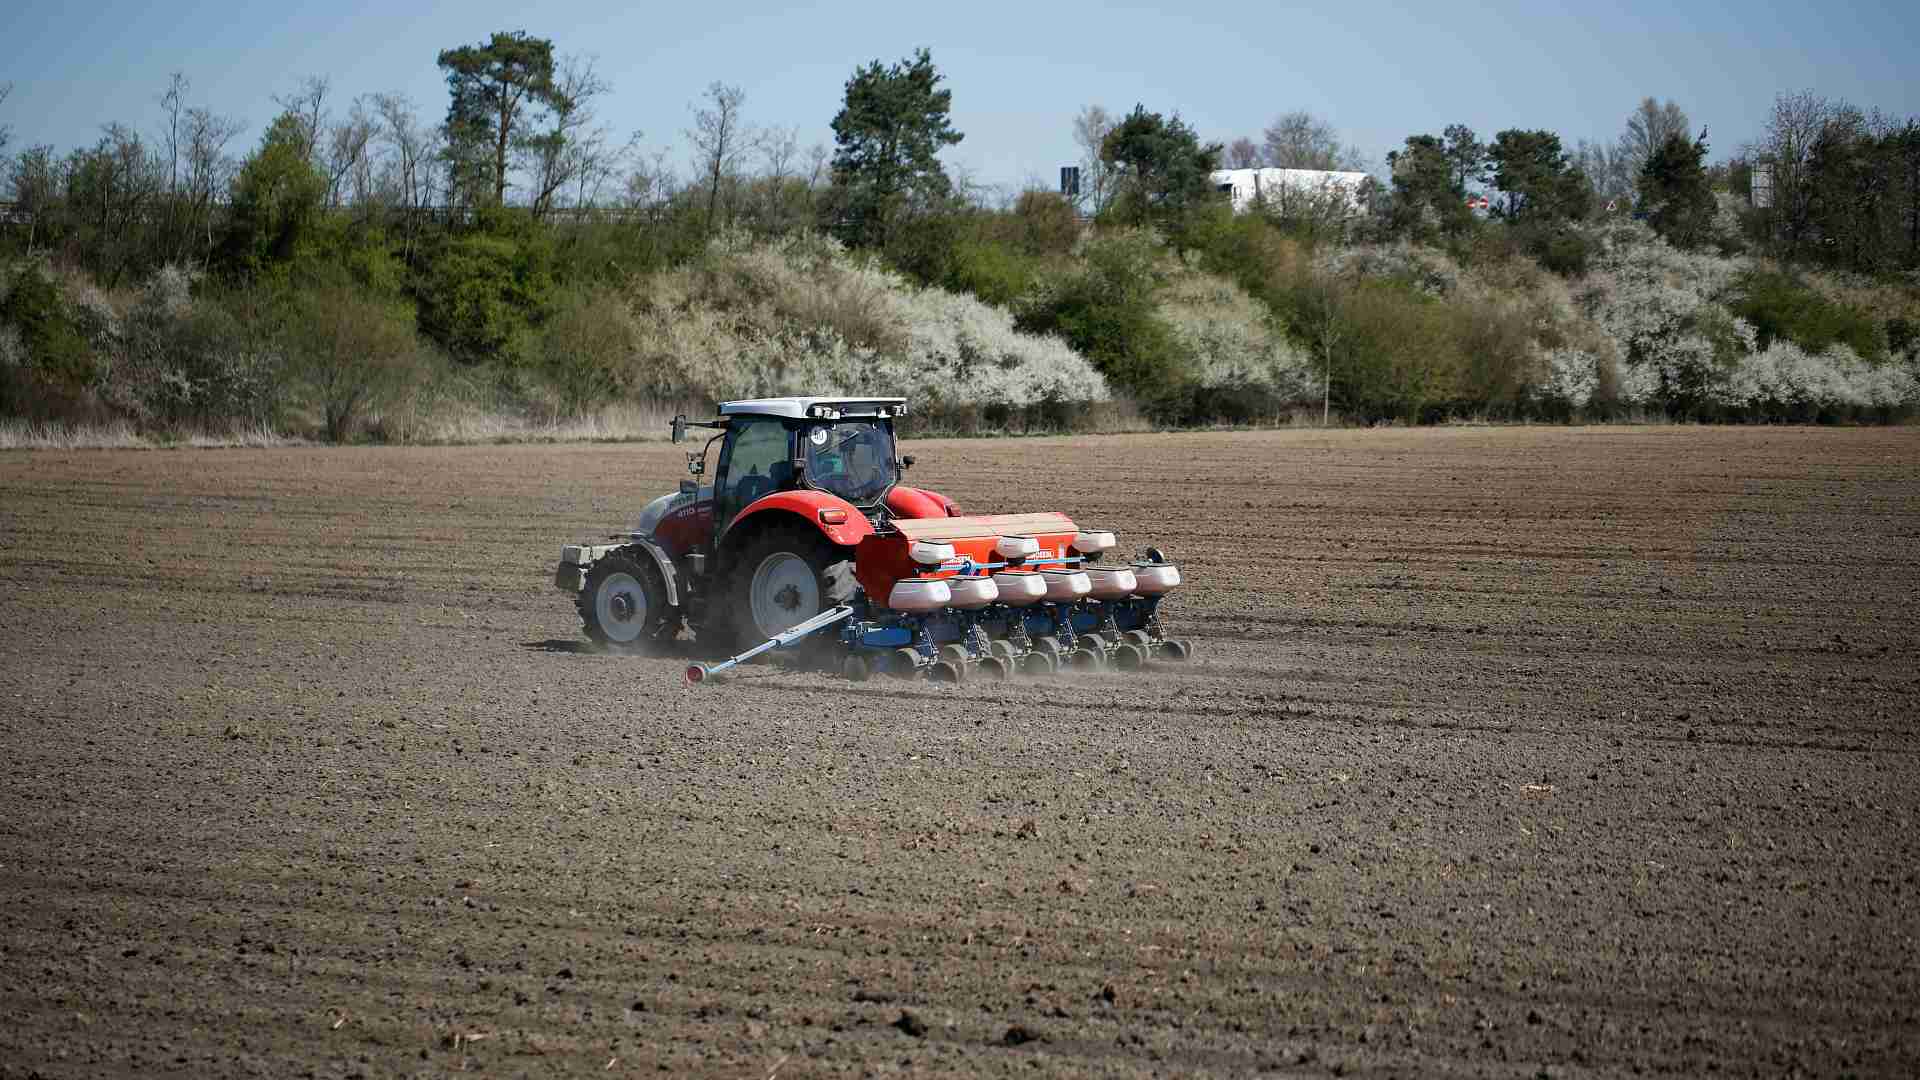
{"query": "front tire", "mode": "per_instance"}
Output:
(782, 578)
(623, 604)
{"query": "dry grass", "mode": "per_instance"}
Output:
(625, 422)
(34, 435)
(467, 426)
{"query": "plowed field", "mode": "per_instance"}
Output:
(1504, 752)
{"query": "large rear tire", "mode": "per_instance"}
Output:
(623, 604)
(781, 578)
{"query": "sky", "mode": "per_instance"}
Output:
(1019, 72)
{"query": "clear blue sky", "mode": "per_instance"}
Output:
(1018, 72)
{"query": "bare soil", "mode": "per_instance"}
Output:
(1505, 752)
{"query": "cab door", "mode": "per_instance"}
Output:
(757, 460)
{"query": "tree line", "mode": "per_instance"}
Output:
(482, 234)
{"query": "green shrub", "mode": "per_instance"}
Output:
(353, 350)
(1045, 222)
(993, 255)
(1781, 307)
(587, 349)
(52, 337)
(1560, 248)
(995, 273)
(1492, 347)
(923, 247)
(277, 199)
(1902, 335)
(1106, 311)
(1252, 252)
(1394, 351)
(482, 294)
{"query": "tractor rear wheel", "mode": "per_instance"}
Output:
(623, 603)
(783, 577)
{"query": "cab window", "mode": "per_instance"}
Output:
(759, 462)
(852, 459)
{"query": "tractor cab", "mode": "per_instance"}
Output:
(839, 447)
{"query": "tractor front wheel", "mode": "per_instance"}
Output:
(624, 603)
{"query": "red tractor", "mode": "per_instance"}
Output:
(806, 526)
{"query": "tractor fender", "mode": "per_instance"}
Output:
(666, 568)
(908, 502)
(577, 559)
(807, 506)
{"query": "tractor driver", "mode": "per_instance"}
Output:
(849, 460)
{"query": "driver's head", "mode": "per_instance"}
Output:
(860, 450)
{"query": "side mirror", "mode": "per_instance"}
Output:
(680, 428)
(906, 463)
(689, 487)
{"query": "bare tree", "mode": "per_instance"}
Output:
(1097, 180)
(720, 138)
(1243, 153)
(111, 186)
(780, 149)
(308, 106)
(413, 148)
(1648, 128)
(35, 182)
(344, 149)
(650, 183)
(363, 181)
(819, 158)
(6, 130)
(1793, 129)
(970, 190)
(173, 102)
(1299, 140)
(1606, 165)
(781, 199)
(572, 152)
(209, 173)
(600, 160)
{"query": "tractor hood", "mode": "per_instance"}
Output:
(654, 512)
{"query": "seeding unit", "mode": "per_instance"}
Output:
(807, 537)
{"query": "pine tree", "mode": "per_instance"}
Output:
(1674, 191)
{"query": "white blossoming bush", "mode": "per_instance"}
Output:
(1668, 312)
(1785, 379)
(1664, 310)
(97, 318)
(169, 290)
(1569, 377)
(187, 363)
(802, 316)
(964, 351)
(1726, 230)
(1234, 346)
